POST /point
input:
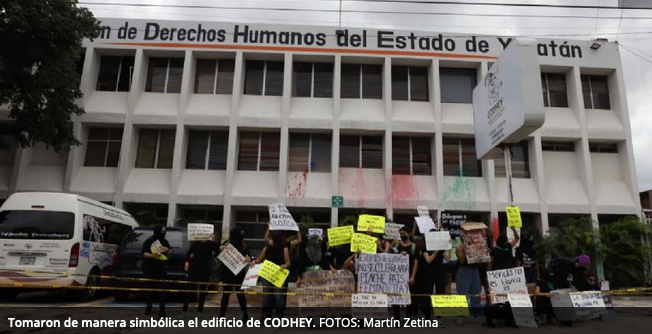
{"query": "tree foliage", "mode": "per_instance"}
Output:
(620, 245)
(40, 47)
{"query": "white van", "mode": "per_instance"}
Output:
(58, 239)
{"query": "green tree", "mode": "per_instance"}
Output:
(40, 47)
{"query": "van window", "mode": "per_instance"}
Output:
(30, 224)
(103, 230)
(135, 240)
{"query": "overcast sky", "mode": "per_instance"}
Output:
(632, 29)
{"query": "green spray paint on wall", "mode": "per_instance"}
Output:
(462, 190)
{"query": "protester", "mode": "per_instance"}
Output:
(277, 252)
(452, 265)
(314, 257)
(155, 268)
(566, 273)
(231, 281)
(430, 274)
(407, 248)
(526, 257)
(590, 284)
(468, 283)
(502, 255)
(199, 259)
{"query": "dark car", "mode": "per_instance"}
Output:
(128, 260)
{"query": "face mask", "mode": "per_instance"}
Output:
(404, 237)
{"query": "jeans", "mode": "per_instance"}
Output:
(468, 283)
(273, 297)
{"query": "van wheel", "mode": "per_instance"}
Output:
(7, 295)
(92, 281)
(121, 296)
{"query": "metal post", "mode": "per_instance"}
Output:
(508, 170)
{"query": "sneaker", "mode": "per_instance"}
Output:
(459, 321)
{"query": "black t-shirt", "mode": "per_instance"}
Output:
(340, 254)
(149, 263)
(411, 251)
(502, 257)
(275, 254)
(202, 253)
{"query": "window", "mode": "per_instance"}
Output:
(457, 84)
(149, 214)
(460, 159)
(595, 90)
(409, 83)
(115, 73)
(201, 214)
(155, 148)
(259, 151)
(214, 76)
(361, 151)
(364, 81)
(411, 156)
(520, 162)
(164, 75)
(207, 150)
(103, 230)
(264, 78)
(310, 152)
(103, 147)
(554, 90)
(254, 224)
(312, 80)
(603, 148)
(556, 146)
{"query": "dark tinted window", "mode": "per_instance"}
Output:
(135, 239)
(29, 224)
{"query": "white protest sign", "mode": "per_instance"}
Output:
(232, 259)
(316, 231)
(440, 240)
(423, 211)
(522, 309)
(425, 224)
(156, 247)
(385, 273)
(200, 232)
(251, 278)
(506, 281)
(280, 218)
(369, 305)
(392, 231)
(604, 286)
(588, 303)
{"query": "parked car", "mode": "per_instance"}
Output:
(128, 260)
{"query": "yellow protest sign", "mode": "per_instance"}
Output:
(340, 235)
(273, 273)
(450, 305)
(376, 223)
(363, 243)
(514, 217)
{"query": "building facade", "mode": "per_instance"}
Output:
(190, 121)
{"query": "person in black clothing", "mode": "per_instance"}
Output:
(501, 255)
(231, 281)
(278, 253)
(408, 248)
(430, 274)
(526, 257)
(590, 284)
(155, 267)
(314, 257)
(198, 268)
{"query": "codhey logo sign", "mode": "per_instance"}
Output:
(494, 84)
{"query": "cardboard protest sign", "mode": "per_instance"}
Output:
(157, 249)
(374, 223)
(423, 211)
(314, 284)
(273, 273)
(200, 232)
(588, 304)
(385, 273)
(562, 305)
(514, 216)
(280, 218)
(369, 305)
(475, 243)
(452, 222)
(440, 240)
(505, 281)
(392, 231)
(522, 309)
(363, 243)
(232, 259)
(340, 235)
(251, 277)
(425, 224)
(450, 305)
(316, 231)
